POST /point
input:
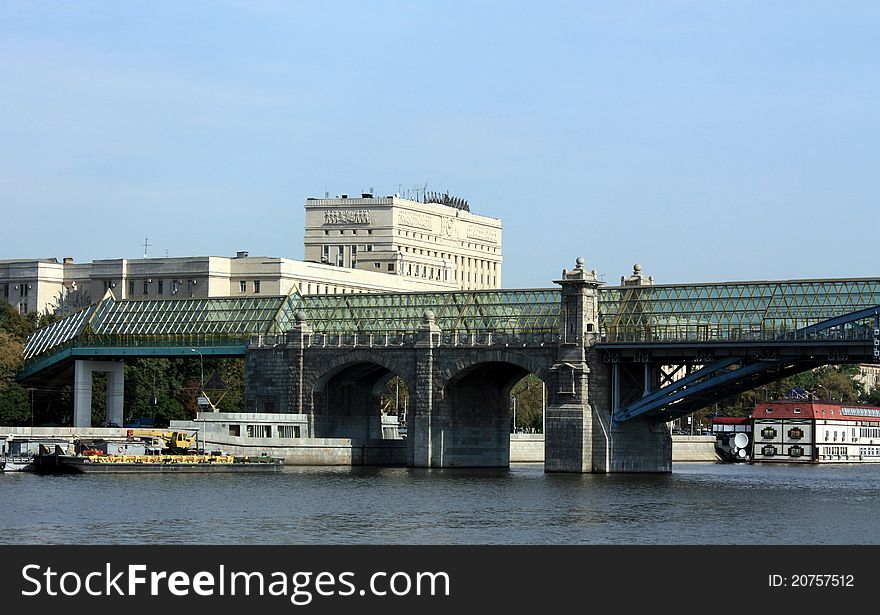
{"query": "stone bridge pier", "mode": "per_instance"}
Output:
(585, 389)
(459, 390)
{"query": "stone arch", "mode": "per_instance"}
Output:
(471, 423)
(346, 393)
(331, 366)
(536, 364)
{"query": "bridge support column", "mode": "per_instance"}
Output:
(82, 391)
(580, 436)
(422, 449)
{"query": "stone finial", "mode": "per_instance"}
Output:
(428, 317)
(579, 262)
(637, 269)
(300, 316)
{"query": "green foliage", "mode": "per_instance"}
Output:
(529, 409)
(872, 398)
(395, 398)
(14, 399)
(829, 382)
(15, 324)
(14, 406)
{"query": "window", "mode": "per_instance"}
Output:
(22, 307)
(256, 286)
(288, 431)
(797, 410)
(6, 291)
(146, 287)
(768, 451)
(160, 287)
(242, 286)
(23, 290)
(235, 430)
(390, 266)
(369, 247)
(377, 265)
(795, 451)
(795, 433)
(131, 287)
(768, 433)
(259, 431)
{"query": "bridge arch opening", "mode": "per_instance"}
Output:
(476, 414)
(360, 400)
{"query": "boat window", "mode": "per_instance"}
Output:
(797, 410)
(235, 430)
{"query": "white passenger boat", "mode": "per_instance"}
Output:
(20, 450)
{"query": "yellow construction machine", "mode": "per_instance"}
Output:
(174, 441)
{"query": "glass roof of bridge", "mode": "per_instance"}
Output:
(662, 310)
(776, 306)
(476, 311)
(469, 311)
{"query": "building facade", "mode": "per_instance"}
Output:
(804, 431)
(39, 285)
(31, 285)
(430, 241)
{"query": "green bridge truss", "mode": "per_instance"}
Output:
(712, 312)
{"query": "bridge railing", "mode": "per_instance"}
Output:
(403, 338)
(499, 338)
(728, 334)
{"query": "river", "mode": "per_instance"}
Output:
(699, 503)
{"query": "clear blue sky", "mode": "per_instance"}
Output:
(705, 140)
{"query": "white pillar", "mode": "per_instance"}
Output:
(82, 394)
(82, 391)
(115, 390)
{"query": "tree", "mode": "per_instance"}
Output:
(872, 398)
(528, 394)
(14, 399)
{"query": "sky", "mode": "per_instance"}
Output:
(706, 140)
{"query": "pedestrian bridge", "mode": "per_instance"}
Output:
(617, 360)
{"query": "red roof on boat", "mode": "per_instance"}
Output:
(800, 409)
(731, 420)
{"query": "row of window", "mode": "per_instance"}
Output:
(835, 450)
(23, 290)
(265, 431)
(173, 286)
(869, 451)
(326, 289)
(464, 244)
(353, 231)
(768, 450)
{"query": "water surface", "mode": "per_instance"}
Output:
(699, 503)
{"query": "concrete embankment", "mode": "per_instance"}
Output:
(524, 448)
(529, 448)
